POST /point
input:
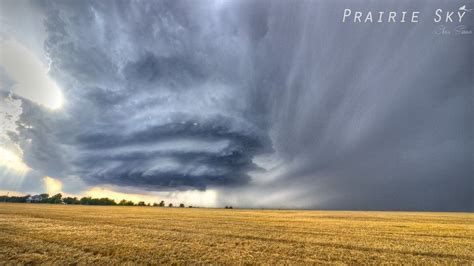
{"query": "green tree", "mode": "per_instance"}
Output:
(70, 200)
(20, 199)
(55, 199)
(126, 203)
(44, 197)
(97, 201)
(85, 200)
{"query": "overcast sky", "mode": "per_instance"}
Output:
(273, 104)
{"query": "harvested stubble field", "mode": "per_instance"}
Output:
(58, 234)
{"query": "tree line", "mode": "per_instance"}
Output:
(59, 199)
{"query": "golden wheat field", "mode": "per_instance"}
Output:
(59, 234)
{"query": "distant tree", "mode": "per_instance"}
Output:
(24, 198)
(55, 199)
(104, 201)
(44, 195)
(190, 206)
(58, 198)
(18, 199)
(70, 200)
(96, 201)
(227, 207)
(126, 203)
(230, 207)
(85, 200)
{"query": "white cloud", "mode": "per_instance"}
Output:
(29, 74)
(12, 161)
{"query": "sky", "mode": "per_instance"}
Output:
(255, 104)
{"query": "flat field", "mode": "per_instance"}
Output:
(59, 234)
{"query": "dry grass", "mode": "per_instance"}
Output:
(57, 234)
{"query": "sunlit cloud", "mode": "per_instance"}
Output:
(53, 186)
(206, 198)
(12, 162)
(29, 75)
(11, 193)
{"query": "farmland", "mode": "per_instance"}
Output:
(67, 234)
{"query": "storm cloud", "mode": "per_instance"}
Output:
(272, 103)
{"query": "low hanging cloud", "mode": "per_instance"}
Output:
(268, 103)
